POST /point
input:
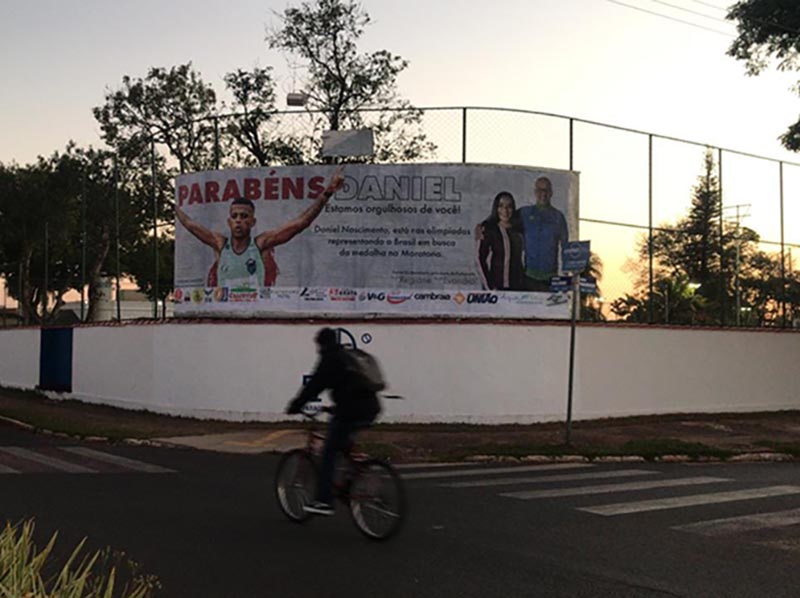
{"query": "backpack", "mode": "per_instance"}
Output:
(363, 370)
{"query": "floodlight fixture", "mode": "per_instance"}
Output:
(296, 98)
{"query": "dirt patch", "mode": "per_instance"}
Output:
(697, 435)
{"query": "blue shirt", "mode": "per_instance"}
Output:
(545, 231)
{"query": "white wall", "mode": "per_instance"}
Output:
(481, 373)
(19, 357)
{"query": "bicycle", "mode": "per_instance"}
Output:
(369, 487)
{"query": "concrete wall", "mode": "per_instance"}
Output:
(19, 357)
(482, 373)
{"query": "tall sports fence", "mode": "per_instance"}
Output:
(636, 192)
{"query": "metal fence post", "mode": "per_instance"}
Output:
(83, 248)
(651, 282)
(216, 142)
(723, 292)
(783, 252)
(20, 308)
(464, 135)
(155, 228)
(116, 233)
(571, 142)
(46, 273)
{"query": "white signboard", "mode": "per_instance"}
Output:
(415, 239)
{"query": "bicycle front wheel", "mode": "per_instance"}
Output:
(377, 500)
(295, 484)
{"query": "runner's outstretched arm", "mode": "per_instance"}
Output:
(210, 238)
(281, 235)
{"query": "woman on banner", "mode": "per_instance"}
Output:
(500, 246)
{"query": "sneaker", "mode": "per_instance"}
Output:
(319, 508)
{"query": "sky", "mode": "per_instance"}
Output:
(592, 59)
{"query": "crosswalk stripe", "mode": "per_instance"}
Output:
(745, 523)
(45, 460)
(608, 488)
(116, 460)
(692, 500)
(491, 471)
(7, 469)
(571, 477)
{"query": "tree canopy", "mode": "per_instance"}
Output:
(708, 269)
(343, 84)
(768, 32)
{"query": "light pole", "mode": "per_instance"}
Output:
(737, 219)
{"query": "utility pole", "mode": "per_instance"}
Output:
(741, 214)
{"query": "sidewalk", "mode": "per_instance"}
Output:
(700, 437)
(695, 437)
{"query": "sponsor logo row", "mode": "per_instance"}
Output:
(200, 295)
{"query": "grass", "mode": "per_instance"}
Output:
(78, 418)
(789, 448)
(647, 436)
(27, 571)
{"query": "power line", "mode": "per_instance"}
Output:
(689, 10)
(714, 6)
(663, 16)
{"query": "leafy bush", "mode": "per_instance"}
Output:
(25, 571)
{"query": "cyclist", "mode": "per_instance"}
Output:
(354, 408)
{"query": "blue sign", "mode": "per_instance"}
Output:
(575, 256)
(588, 285)
(560, 284)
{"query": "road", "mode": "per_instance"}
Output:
(208, 526)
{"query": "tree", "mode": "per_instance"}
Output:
(769, 30)
(254, 106)
(139, 262)
(590, 308)
(171, 106)
(343, 84)
(702, 264)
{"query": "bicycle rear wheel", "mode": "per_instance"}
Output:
(377, 500)
(295, 484)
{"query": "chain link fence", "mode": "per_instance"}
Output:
(638, 206)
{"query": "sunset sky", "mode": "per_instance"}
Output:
(635, 63)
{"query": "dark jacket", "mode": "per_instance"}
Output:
(500, 258)
(330, 373)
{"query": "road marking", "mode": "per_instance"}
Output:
(116, 460)
(689, 501)
(745, 523)
(608, 488)
(7, 469)
(622, 473)
(45, 460)
(431, 465)
(491, 471)
(266, 439)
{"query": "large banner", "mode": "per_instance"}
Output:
(412, 239)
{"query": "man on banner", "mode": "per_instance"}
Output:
(243, 261)
(545, 230)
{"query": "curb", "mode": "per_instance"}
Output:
(104, 439)
(752, 457)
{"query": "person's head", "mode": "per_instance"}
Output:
(503, 208)
(241, 218)
(543, 190)
(326, 339)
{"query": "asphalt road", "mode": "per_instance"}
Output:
(208, 526)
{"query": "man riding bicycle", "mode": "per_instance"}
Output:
(355, 407)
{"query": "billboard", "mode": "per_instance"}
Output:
(406, 239)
